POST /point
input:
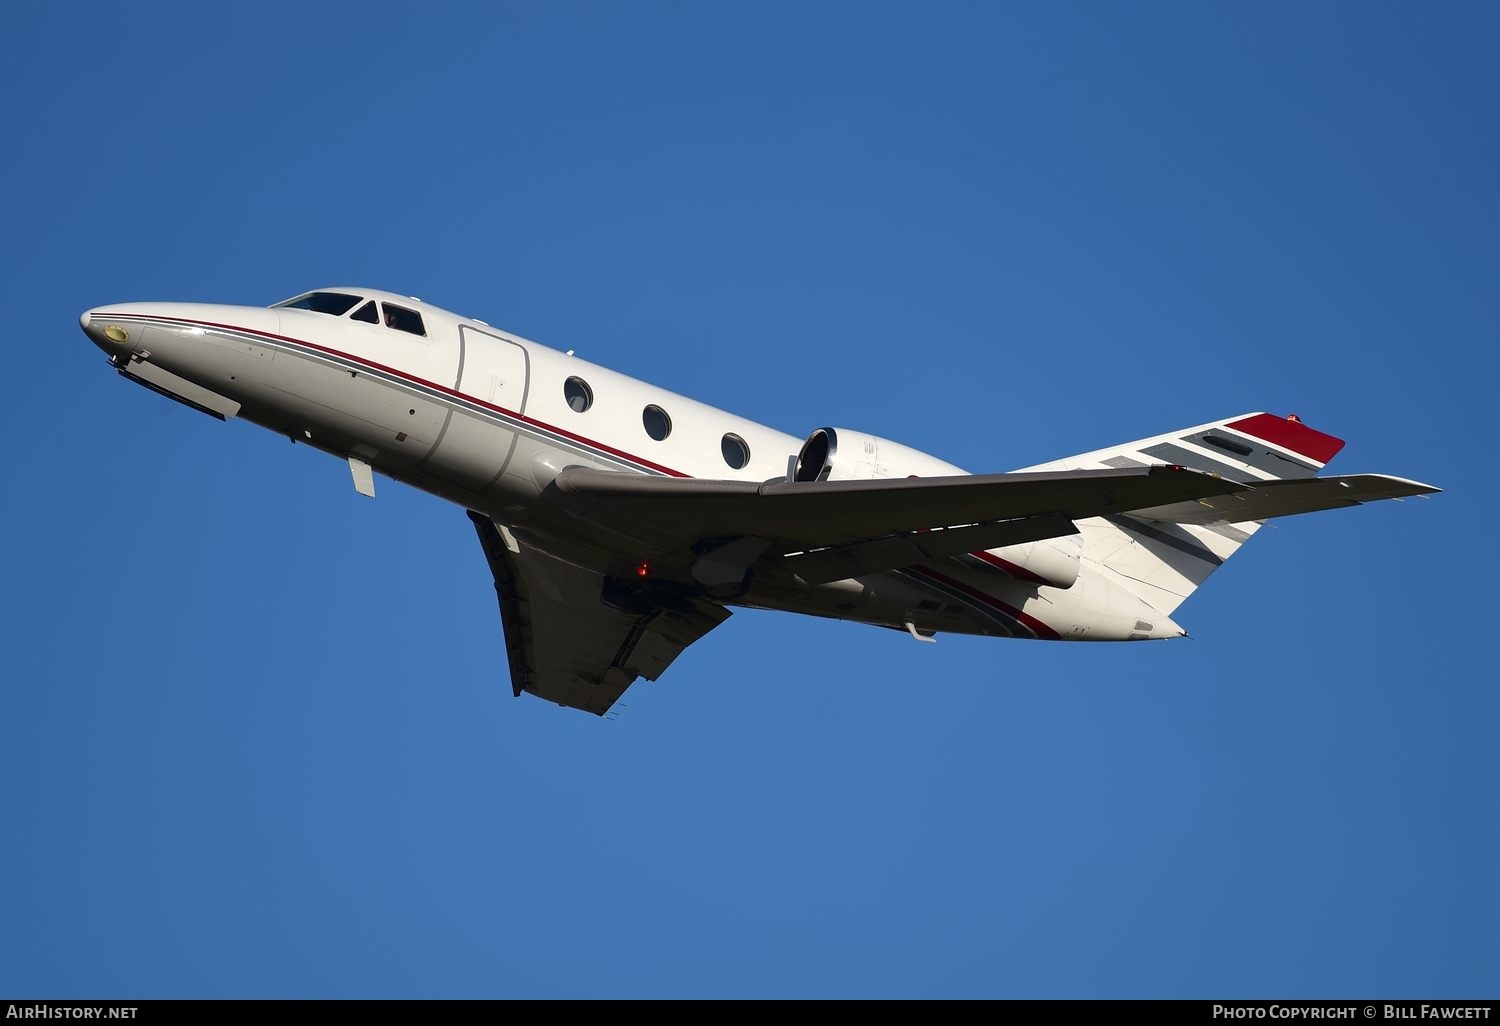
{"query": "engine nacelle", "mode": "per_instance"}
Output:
(839, 454)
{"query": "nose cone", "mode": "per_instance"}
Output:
(104, 332)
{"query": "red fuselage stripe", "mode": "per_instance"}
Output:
(1009, 567)
(396, 372)
(1036, 626)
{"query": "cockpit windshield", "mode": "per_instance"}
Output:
(335, 303)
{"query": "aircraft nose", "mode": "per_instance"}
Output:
(108, 336)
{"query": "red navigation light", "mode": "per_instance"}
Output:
(644, 570)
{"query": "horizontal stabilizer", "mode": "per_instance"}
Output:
(1285, 498)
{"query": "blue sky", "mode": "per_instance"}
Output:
(258, 733)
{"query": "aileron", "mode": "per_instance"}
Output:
(1270, 499)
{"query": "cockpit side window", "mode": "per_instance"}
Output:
(334, 303)
(366, 313)
(402, 319)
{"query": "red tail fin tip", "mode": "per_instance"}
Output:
(1290, 434)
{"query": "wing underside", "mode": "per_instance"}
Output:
(799, 516)
(574, 638)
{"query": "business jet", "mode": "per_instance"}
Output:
(621, 522)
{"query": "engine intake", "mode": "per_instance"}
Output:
(815, 461)
(839, 454)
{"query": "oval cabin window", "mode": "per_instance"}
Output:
(658, 424)
(736, 452)
(578, 394)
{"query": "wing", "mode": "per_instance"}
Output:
(574, 638)
(1286, 498)
(824, 513)
(579, 636)
(801, 516)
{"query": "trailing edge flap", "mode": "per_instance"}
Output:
(577, 638)
(1285, 498)
(670, 513)
(839, 562)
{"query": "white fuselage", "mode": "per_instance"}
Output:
(487, 419)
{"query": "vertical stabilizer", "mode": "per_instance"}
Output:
(1162, 563)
